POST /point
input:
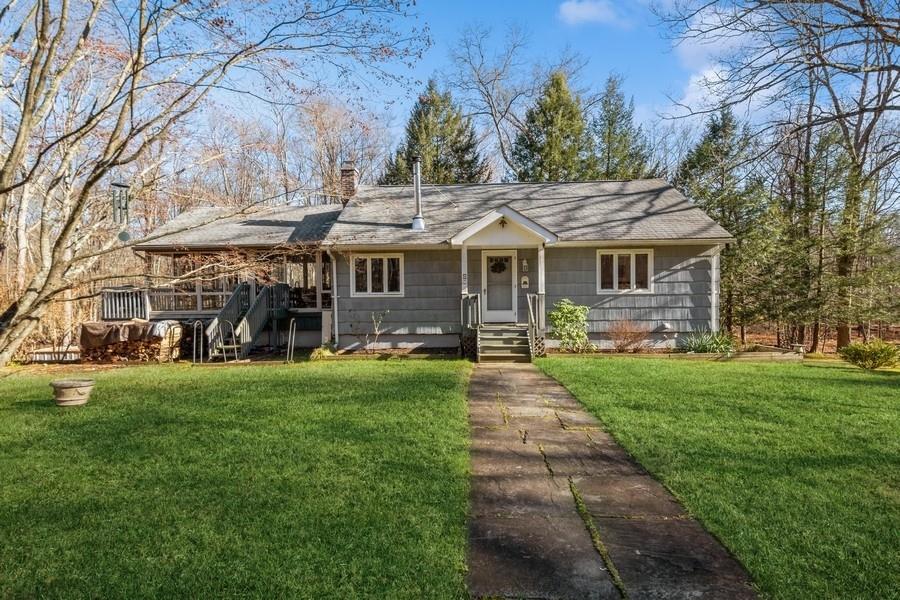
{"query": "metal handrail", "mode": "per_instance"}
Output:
(470, 309)
(233, 338)
(199, 335)
(230, 312)
(292, 336)
(536, 323)
(531, 324)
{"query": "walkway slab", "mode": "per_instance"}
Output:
(532, 445)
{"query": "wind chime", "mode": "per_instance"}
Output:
(121, 201)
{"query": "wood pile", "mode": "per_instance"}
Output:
(142, 350)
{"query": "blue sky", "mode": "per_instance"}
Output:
(615, 36)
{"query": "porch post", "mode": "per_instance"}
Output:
(318, 279)
(541, 288)
(464, 282)
(464, 269)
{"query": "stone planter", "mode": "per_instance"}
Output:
(72, 392)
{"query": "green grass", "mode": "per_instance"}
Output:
(796, 468)
(317, 480)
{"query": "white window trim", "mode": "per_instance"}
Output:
(627, 251)
(355, 294)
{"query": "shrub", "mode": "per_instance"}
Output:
(628, 337)
(569, 325)
(871, 355)
(707, 341)
(321, 353)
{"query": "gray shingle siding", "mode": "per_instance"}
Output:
(681, 297)
(430, 304)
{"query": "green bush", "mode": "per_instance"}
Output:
(321, 353)
(717, 342)
(569, 325)
(871, 355)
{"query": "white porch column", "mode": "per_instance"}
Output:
(464, 270)
(541, 288)
(541, 269)
(463, 281)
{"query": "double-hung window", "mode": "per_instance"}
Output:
(624, 271)
(377, 274)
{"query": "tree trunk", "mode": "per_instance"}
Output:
(22, 238)
(12, 338)
(847, 249)
(729, 311)
(815, 338)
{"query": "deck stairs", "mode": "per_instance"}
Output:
(239, 324)
(503, 343)
(226, 344)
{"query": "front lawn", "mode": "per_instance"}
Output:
(796, 468)
(318, 480)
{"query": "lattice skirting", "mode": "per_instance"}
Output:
(540, 349)
(469, 345)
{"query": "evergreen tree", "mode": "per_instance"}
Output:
(622, 148)
(555, 144)
(444, 139)
(715, 175)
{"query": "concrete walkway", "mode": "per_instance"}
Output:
(560, 510)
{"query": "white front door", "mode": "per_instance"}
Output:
(498, 276)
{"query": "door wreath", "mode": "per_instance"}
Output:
(498, 265)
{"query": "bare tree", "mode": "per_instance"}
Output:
(497, 86)
(91, 87)
(331, 132)
(838, 59)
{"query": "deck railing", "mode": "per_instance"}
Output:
(123, 304)
(231, 313)
(470, 311)
(280, 299)
(171, 299)
(254, 320)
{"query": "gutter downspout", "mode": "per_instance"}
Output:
(334, 299)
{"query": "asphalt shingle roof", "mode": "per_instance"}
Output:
(648, 209)
(219, 227)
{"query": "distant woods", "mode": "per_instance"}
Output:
(797, 154)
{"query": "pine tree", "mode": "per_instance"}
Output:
(714, 174)
(622, 148)
(444, 139)
(555, 145)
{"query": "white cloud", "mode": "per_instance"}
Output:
(696, 94)
(578, 12)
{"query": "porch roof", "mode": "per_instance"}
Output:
(225, 227)
(595, 211)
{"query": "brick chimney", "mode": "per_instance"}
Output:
(349, 180)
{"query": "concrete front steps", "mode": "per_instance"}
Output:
(503, 343)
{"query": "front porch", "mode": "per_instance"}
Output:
(503, 284)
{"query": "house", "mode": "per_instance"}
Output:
(440, 266)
